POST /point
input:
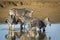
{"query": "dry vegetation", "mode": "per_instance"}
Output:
(41, 9)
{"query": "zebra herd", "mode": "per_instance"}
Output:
(34, 24)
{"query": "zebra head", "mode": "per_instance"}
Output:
(47, 21)
(12, 11)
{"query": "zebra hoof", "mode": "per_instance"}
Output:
(43, 30)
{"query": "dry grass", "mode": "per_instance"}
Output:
(41, 10)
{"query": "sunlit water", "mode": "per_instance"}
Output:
(53, 31)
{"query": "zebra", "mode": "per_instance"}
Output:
(20, 13)
(35, 22)
(11, 20)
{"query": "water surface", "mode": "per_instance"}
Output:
(53, 32)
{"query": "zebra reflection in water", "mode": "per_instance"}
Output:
(33, 34)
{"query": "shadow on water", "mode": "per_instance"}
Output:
(52, 33)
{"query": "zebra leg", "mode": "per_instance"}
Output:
(40, 29)
(21, 27)
(24, 28)
(43, 29)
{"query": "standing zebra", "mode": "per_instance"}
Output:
(34, 22)
(20, 13)
(11, 20)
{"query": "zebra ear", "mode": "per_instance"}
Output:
(47, 21)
